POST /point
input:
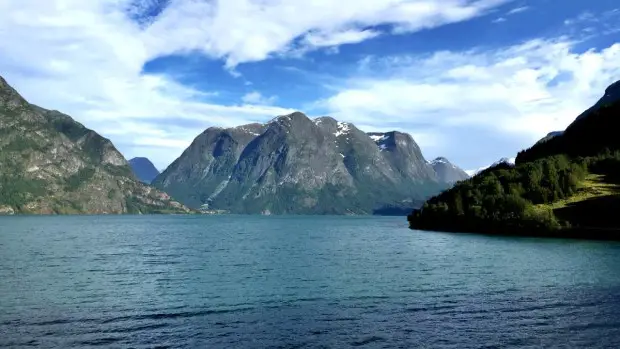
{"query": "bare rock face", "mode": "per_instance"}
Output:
(51, 164)
(293, 164)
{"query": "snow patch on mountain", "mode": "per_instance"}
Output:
(343, 128)
(510, 161)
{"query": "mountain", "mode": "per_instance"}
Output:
(144, 169)
(612, 95)
(447, 172)
(550, 135)
(566, 186)
(293, 164)
(49, 163)
(510, 161)
(591, 133)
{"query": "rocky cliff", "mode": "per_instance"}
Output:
(49, 164)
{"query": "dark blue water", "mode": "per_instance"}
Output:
(297, 282)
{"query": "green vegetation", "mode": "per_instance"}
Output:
(566, 186)
(36, 148)
(76, 180)
(16, 191)
(503, 198)
(589, 136)
(135, 206)
(594, 186)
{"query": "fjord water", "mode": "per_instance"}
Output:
(257, 282)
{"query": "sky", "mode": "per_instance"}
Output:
(471, 80)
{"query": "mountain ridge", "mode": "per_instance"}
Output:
(294, 164)
(51, 164)
(144, 169)
(448, 172)
(567, 186)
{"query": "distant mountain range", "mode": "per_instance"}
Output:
(294, 164)
(447, 172)
(51, 164)
(144, 169)
(510, 161)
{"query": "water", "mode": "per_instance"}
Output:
(297, 282)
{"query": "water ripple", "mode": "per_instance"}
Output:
(297, 282)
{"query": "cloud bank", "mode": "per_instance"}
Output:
(86, 58)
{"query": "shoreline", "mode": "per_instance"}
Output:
(582, 233)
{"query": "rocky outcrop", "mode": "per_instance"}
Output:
(6, 211)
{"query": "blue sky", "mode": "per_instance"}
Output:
(471, 80)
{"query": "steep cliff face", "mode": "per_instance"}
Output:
(293, 164)
(50, 163)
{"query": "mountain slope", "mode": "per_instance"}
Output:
(293, 164)
(50, 163)
(612, 95)
(447, 172)
(144, 169)
(592, 132)
(568, 186)
(509, 161)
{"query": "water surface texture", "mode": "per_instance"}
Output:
(297, 282)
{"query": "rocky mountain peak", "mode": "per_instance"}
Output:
(144, 169)
(9, 98)
(299, 165)
(325, 120)
(393, 140)
(439, 160)
(253, 129)
(448, 172)
(292, 118)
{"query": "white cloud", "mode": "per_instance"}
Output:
(257, 98)
(245, 31)
(520, 92)
(340, 38)
(516, 10)
(589, 24)
(85, 58)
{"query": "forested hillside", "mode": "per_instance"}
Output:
(566, 186)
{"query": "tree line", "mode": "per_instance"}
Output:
(505, 198)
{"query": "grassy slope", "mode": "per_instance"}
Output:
(593, 187)
(593, 209)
